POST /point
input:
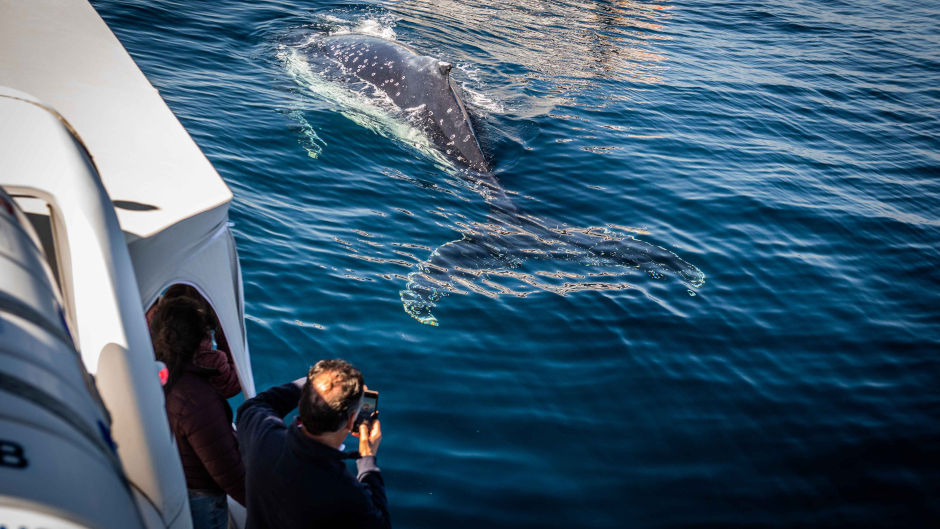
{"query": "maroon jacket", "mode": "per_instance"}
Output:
(201, 420)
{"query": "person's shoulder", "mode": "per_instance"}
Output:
(264, 443)
(258, 422)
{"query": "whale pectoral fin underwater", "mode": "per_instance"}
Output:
(497, 259)
(419, 85)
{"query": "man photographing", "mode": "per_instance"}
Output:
(295, 475)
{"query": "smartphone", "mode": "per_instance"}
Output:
(370, 408)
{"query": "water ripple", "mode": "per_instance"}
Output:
(787, 150)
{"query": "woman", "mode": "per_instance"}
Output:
(199, 416)
(213, 352)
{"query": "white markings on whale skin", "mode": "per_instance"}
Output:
(371, 109)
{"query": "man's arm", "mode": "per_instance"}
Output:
(265, 411)
(226, 382)
(375, 511)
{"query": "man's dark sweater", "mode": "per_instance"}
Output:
(293, 481)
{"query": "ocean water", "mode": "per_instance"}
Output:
(715, 300)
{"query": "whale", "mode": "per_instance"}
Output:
(509, 241)
(418, 84)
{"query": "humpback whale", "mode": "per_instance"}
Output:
(497, 249)
(419, 85)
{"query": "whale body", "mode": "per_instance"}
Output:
(419, 85)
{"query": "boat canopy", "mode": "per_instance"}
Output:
(171, 204)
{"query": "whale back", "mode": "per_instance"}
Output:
(420, 85)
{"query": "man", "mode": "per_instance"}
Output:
(296, 476)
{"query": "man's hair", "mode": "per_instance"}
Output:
(342, 387)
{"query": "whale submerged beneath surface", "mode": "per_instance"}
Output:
(491, 257)
(420, 85)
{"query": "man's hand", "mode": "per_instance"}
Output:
(369, 440)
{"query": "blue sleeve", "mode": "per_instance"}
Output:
(264, 412)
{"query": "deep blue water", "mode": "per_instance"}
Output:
(788, 152)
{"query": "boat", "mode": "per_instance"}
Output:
(106, 202)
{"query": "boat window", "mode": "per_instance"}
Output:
(38, 213)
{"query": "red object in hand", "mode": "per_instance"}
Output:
(164, 376)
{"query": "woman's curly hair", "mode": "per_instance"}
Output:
(177, 328)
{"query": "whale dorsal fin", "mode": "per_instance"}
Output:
(444, 67)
